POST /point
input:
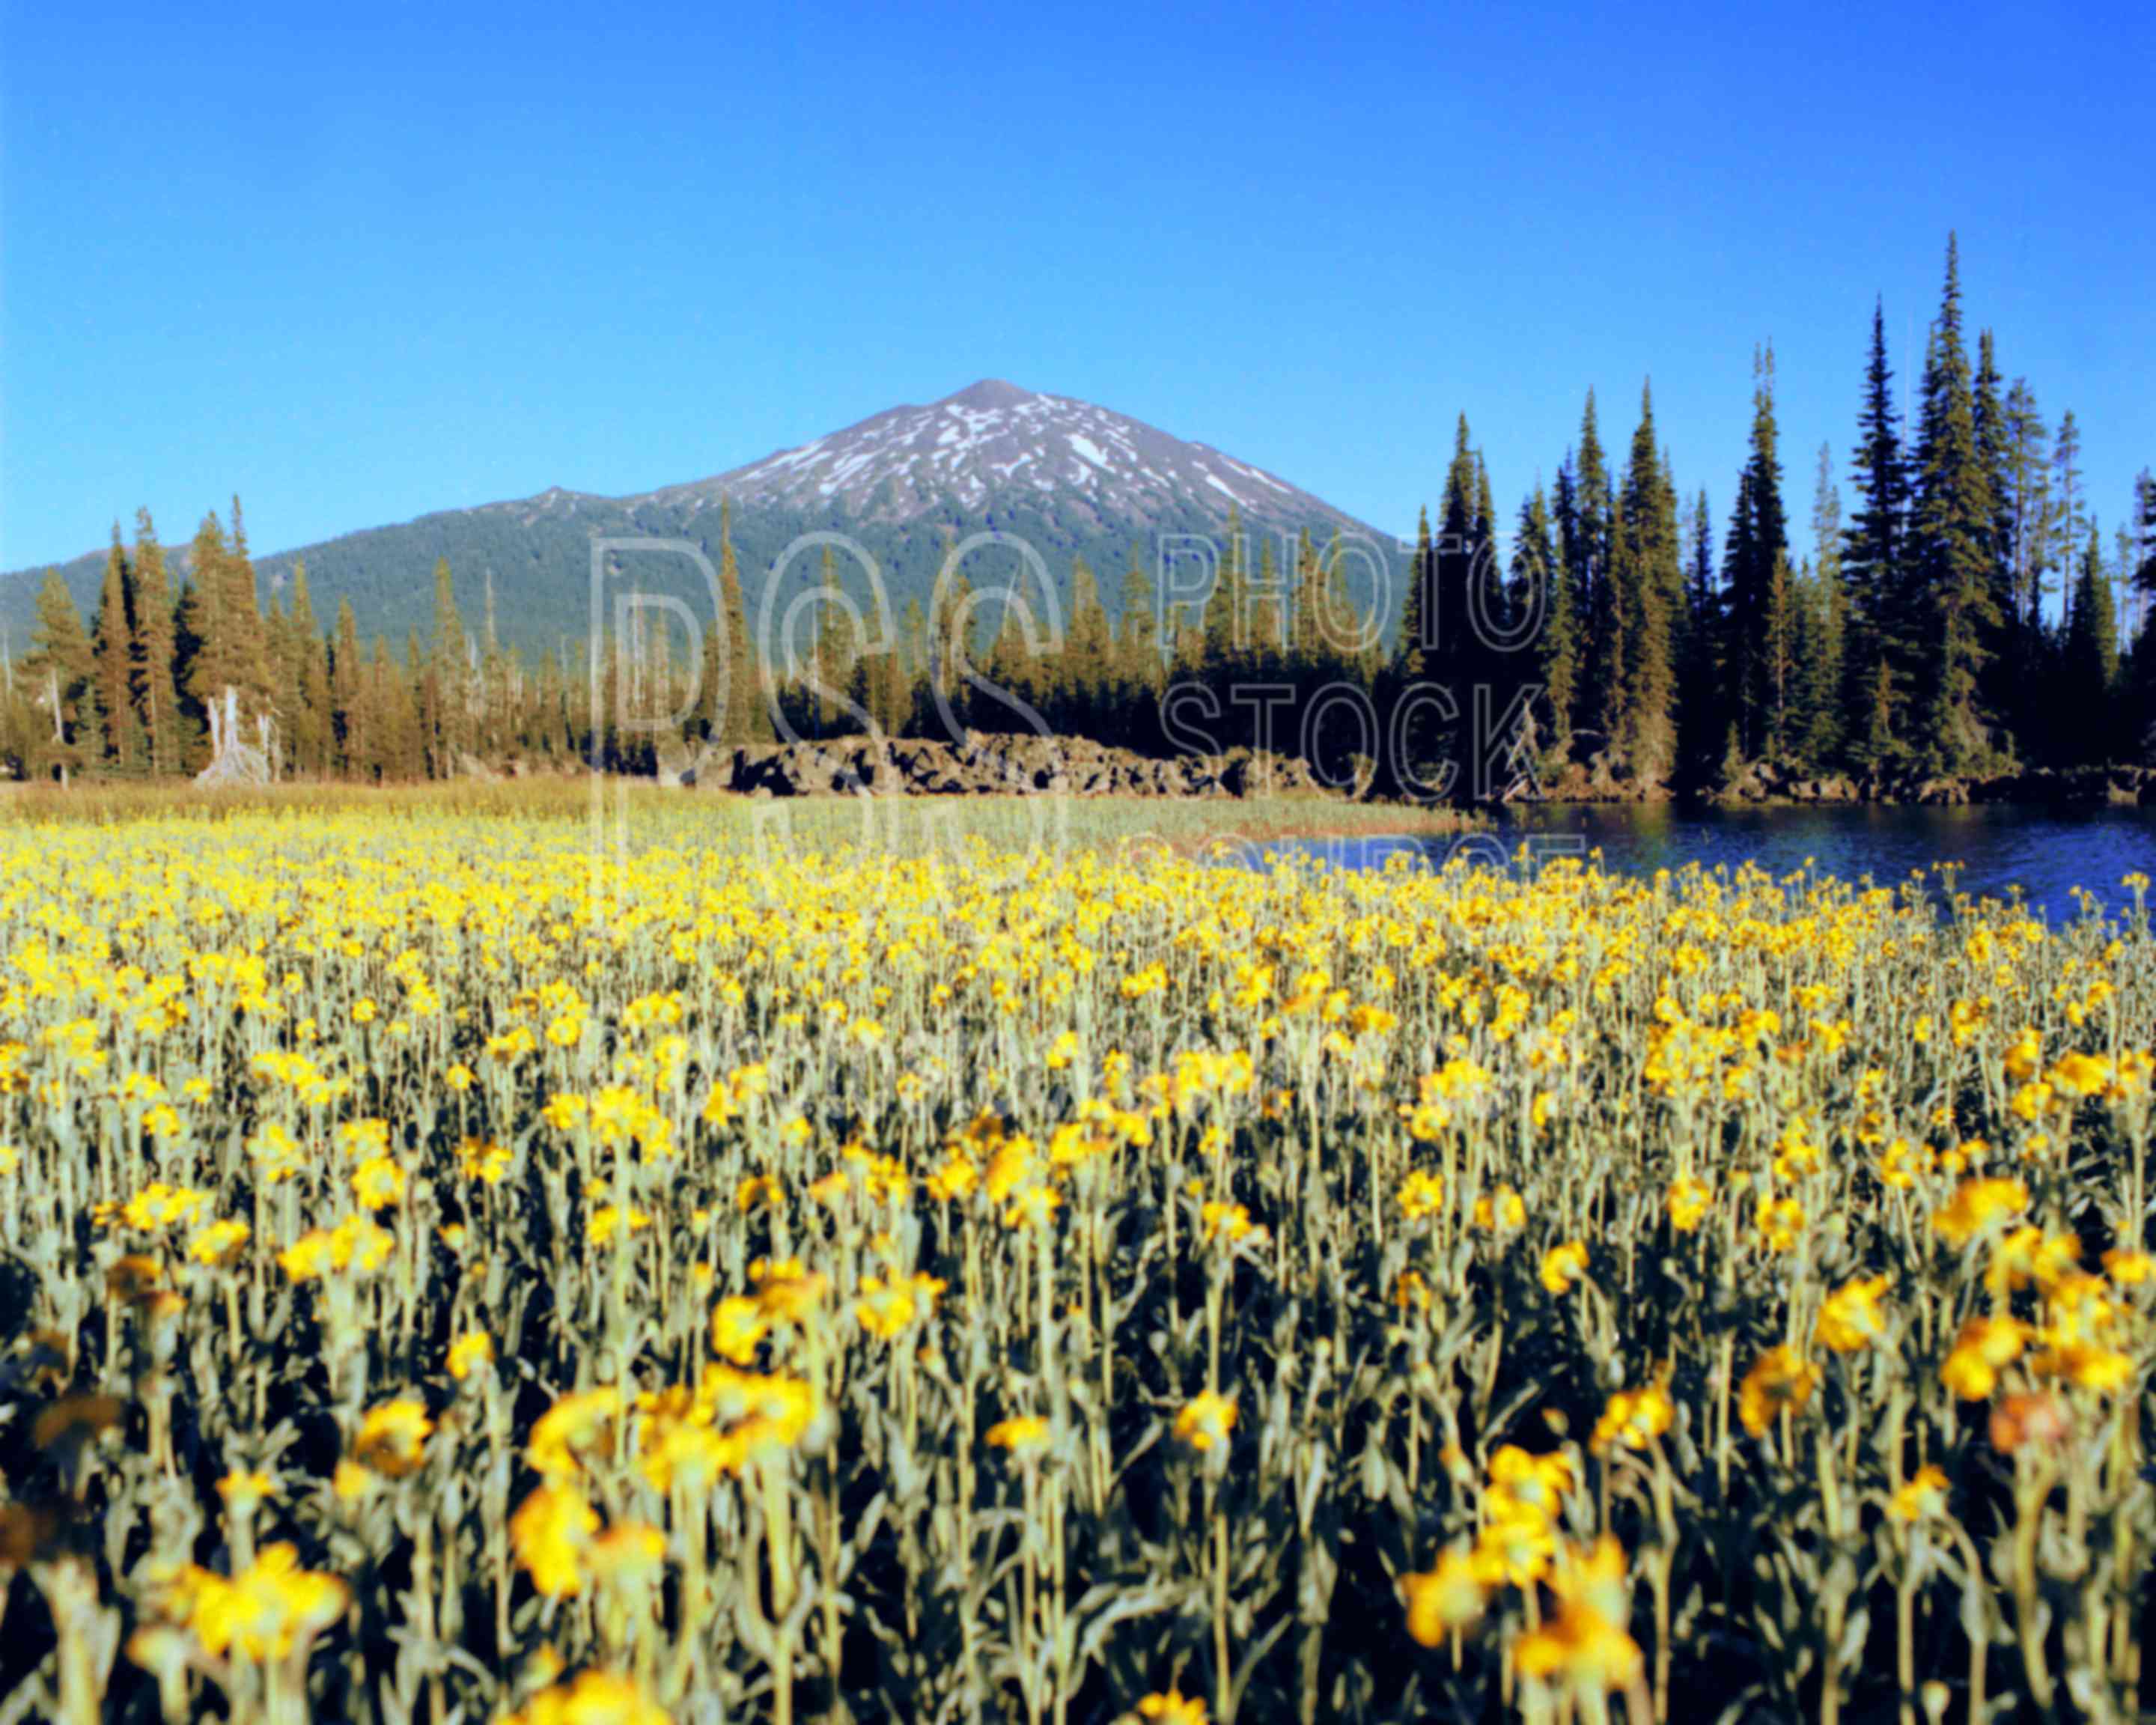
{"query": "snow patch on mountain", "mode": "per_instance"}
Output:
(995, 442)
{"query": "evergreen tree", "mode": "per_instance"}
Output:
(1994, 429)
(1648, 574)
(747, 715)
(1588, 565)
(307, 724)
(441, 682)
(155, 691)
(1140, 636)
(348, 691)
(1951, 534)
(2070, 520)
(112, 648)
(1823, 737)
(62, 671)
(1536, 568)
(2090, 660)
(1756, 567)
(1702, 725)
(1880, 646)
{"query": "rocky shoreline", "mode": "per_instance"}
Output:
(982, 766)
(1765, 784)
(999, 765)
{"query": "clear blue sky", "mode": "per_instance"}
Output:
(358, 272)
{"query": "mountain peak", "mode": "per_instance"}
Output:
(988, 392)
(994, 448)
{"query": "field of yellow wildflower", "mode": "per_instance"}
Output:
(452, 1271)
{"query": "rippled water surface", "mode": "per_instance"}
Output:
(1994, 851)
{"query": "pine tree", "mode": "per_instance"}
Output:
(1536, 569)
(62, 668)
(2089, 659)
(1755, 566)
(441, 682)
(348, 691)
(241, 611)
(1951, 528)
(1588, 564)
(1702, 722)
(747, 715)
(212, 666)
(112, 649)
(1823, 737)
(2002, 644)
(1880, 646)
(1648, 574)
(155, 690)
(1139, 637)
(2144, 499)
(308, 724)
(2070, 521)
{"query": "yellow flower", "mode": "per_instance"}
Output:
(738, 1326)
(245, 1488)
(1780, 1222)
(1174, 1708)
(551, 1532)
(1450, 1596)
(264, 1612)
(1781, 1380)
(378, 1183)
(1421, 1195)
(1633, 1417)
(1581, 1649)
(393, 1438)
(469, 1352)
(1027, 1433)
(1501, 1212)
(1922, 1498)
(2087, 1365)
(1851, 1319)
(1983, 1348)
(1528, 1488)
(1690, 1200)
(1206, 1420)
(220, 1243)
(1563, 1265)
(572, 1427)
(1975, 1204)
(1228, 1223)
(593, 1698)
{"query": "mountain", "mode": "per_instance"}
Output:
(1069, 478)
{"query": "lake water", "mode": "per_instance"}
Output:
(1995, 849)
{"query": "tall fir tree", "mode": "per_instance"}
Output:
(1878, 657)
(1588, 566)
(2003, 649)
(1755, 566)
(2089, 661)
(348, 693)
(112, 646)
(1648, 573)
(1824, 738)
(1951, 535)
(62, 671)
(1538, 577)
(156, 689)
